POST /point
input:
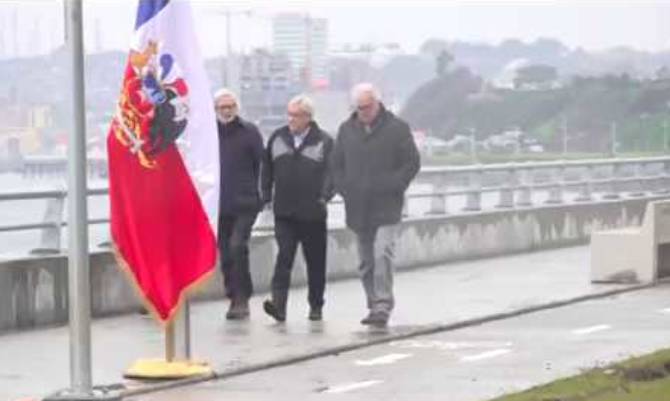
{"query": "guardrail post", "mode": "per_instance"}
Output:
(613, 187)
(405, 206)
(525, 194)
(506, 193)
(637, 184)
(438, 202)
(661, 183)
(585, 193)
(473, 199)
(50, 237)
(556, 190)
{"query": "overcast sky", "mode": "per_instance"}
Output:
(591, 24)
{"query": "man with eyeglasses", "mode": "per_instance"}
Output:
(374, 161)
(296, 180)
(241, 153)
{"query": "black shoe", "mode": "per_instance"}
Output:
(377, 319)
(238, 310)
(273, 311)
(315, 314)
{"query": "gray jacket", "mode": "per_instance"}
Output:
(372, 170)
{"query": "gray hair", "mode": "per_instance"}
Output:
(304, 102)
(365, 88)
(225, 92)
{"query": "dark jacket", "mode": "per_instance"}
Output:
(297, 181)
(373, 170)
(241, 154)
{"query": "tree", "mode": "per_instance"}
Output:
(535, 75)
(444, 58)
(433, 47)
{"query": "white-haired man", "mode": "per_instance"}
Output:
(374, 161)
(241, 154)
(296, 180)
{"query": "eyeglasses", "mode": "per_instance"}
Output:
(226, 106)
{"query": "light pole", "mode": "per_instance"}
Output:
(565, 134)
(230, 57)
(473, 146)
(613, 143)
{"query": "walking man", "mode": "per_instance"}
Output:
(241, 153)
(374, 161)
(297, 182)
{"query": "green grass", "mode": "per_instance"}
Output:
(630, 380)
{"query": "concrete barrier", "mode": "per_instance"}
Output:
(33, 290)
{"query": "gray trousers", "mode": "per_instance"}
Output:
(376, 252)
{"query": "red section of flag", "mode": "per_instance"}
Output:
(158, 223)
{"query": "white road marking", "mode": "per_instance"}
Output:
(344, 388)
(486, 355)
(383, 360)
(450, 345)
(591, 329)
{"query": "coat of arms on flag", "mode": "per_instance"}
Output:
(163, 160)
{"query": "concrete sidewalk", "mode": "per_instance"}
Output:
(430, 299)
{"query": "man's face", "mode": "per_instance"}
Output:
(226, 109)
(367, 108)
(298, 120)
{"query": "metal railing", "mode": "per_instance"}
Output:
(452, 188)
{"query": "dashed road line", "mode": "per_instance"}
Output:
(591, 329)
(486, 355)
(383, 360)
(345, 388)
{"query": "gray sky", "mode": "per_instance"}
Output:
(592, 24)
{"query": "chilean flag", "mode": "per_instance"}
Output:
(163, 160)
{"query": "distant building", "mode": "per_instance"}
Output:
(266, 85)
(304, 40)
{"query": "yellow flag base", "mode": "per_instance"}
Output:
(160, 369)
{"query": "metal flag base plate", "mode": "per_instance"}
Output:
(98, 393)
(160, 369)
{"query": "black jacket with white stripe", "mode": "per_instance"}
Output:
(297, 180)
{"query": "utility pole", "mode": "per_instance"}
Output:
(613, 144)
(565, 134)
(473, 146)
(229, 51)
(308, 52)
(665, 135)
(230, 63)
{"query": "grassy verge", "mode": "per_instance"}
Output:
(645, 378)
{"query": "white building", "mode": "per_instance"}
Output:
(304, 40)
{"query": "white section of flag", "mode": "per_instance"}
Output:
(198, 145)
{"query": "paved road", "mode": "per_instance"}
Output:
(441, 295)
(470, 364)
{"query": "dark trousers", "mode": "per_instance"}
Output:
(311, 235)
(234, 234)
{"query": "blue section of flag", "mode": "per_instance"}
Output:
(146, 10)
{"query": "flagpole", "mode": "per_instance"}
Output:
(78, 268)
(178, 336)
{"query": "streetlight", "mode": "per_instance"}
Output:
(665, 135)
(613, 143)
(473, 146)
(229, 13)
(565, 134)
